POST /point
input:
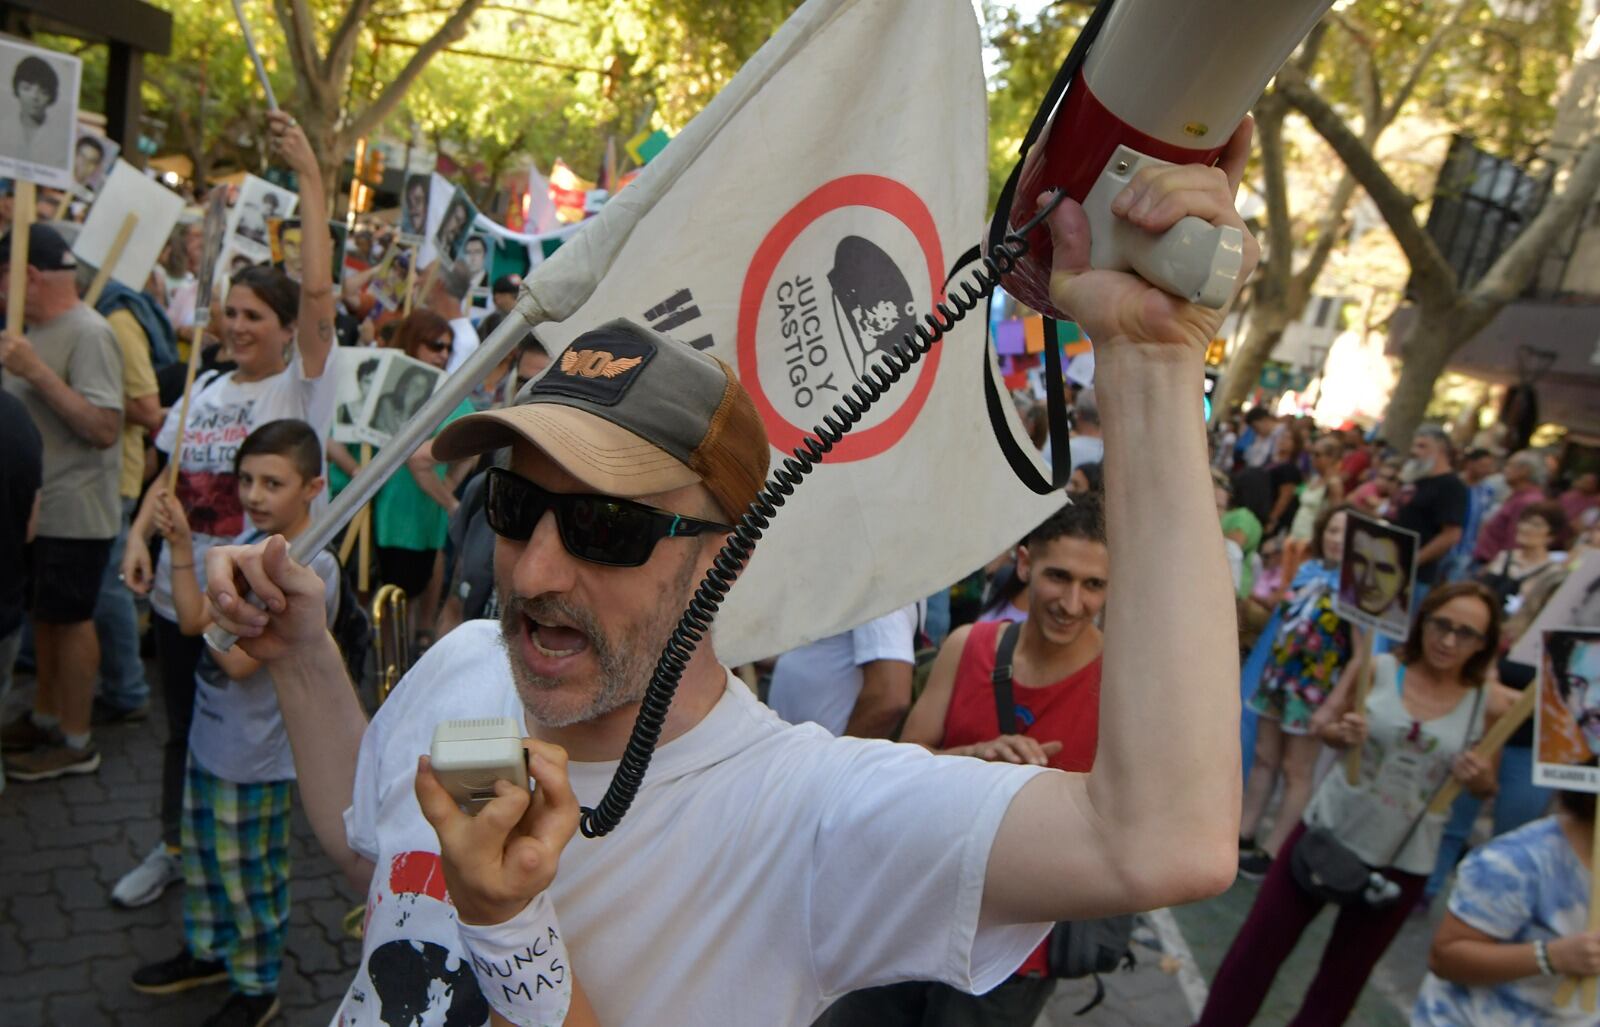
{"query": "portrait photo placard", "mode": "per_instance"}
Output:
(259, 202)
(399, 388)
(355, 370)
(38, 113)
(1378, 576)
(1567, 717)
(92, 158)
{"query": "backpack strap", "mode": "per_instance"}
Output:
(1005, 706)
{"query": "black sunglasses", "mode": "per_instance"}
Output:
(601, 529)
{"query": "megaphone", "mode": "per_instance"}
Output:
(1163, 82)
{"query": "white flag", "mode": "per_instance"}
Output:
(803, 223)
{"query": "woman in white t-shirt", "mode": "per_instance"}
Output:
(279, 335)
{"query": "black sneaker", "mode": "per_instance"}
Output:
(106, 713)
(243, 1010)
(180, 973)
(1253, 865)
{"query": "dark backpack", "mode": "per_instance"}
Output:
(1078, 948)
(351, 628)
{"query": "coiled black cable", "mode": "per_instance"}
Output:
(735, 553)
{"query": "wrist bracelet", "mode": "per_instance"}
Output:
(1541, 955)
(521, 965)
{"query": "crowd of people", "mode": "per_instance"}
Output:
(925, 888)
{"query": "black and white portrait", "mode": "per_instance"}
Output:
(92, 157)
(259, 202)
(38, 113)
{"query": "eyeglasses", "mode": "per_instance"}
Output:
(1446, 629)
(436, 345)
(600, 529)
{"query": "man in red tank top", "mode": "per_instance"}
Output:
(1055, 673)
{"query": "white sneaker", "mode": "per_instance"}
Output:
(144, 883)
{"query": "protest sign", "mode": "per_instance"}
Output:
(92, 157)
(155, 208)
(38, 113)
(1377, 576)
(258, 201)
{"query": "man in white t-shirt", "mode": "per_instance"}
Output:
(856, 683)
(764, 869)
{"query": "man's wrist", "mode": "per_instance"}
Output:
(308, 663)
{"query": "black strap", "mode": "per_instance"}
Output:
(1005, 706)
(994, 395)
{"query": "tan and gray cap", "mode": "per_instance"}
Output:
(630, 412)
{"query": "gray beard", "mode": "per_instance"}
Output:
(1415, 470)
(624, 670)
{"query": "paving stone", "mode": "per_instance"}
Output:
(79, 948)
(38, 917)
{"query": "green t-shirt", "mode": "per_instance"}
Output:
(404, 516)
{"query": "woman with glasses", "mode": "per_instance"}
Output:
(1425, 708)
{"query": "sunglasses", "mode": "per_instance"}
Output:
(436, 346)
(1445, 628)
(600, 529)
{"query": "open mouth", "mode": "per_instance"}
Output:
(554, 641)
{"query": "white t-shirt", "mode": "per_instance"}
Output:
(821, 681)
(237, 733)
(222, 413)
(762, 871)
(466, 341)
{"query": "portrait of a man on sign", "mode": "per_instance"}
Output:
(1377, 576)
(1568, 715)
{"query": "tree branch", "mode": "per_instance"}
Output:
(1424, 56)
(1433, 273)
(1269, 113)
(1327, 238)
(1508, 275)
(452, 30)
(342, 44)
(295, 21)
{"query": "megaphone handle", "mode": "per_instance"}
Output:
(1193, 259)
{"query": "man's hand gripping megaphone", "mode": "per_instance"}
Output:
(1119, 305)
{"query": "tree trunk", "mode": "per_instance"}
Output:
(1269, 316)
(1425, 351)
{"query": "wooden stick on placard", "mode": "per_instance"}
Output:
(427, 281)
(114, 254)
(1591, 985)
(183, 416)
(1358, 704)
(364, 554)
(17, 285)
(1493, 741)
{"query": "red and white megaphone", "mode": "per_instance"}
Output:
(1163, 82)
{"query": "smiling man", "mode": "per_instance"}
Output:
(765, 869)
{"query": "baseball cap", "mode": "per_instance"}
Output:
(47, 250)
(630, 412)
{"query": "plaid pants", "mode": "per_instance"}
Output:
(236, 875)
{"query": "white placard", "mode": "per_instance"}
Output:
(1567, 717)
(1378, 576)
(129, 191)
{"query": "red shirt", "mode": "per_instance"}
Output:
(1067, 711)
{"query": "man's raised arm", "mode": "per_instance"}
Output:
(1155, 823)
(321, 713)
